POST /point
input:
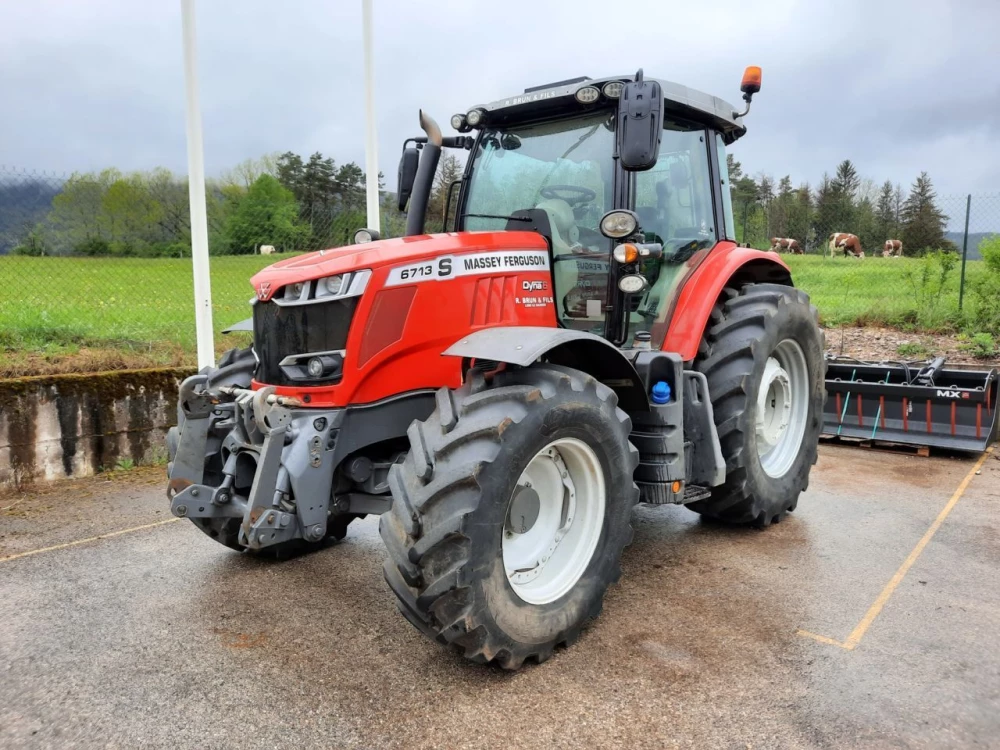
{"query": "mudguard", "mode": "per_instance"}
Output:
(523, 345)
(726, 265)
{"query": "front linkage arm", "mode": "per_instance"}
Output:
(263, 426)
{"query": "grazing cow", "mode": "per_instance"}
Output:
(893, 249)
(266, 249)
(785, 245)
(849, 243)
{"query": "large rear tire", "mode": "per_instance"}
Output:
(763, 357)
(510, 513)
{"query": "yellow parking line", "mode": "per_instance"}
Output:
(54, 547)
(858, 633)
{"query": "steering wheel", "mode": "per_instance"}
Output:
(577, 194)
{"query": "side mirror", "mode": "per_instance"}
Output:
(640, 124)
(408, 164)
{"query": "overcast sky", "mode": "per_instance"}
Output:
(897, 87)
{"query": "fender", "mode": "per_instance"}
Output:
(523, 345)
(726, 265)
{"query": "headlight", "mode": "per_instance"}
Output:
(315, 367)
(334, 284)
(294, 291)
(458, 122)
(618, 224)
(632, 284)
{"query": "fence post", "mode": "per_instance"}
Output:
(965, 250)
(371, 141)
(196, 195)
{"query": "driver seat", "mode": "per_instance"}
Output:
(562, 223)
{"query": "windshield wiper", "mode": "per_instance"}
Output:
(495, 216)
(570, 150)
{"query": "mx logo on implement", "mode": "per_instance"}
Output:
(951, 394)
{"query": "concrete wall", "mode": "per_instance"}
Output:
(76, 425)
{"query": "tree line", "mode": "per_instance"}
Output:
(845, 202)
(295, 204)
(282, 200)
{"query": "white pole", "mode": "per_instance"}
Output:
(371, 142)
(196, 194)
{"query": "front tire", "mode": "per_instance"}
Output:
(510, 513)
(763, 357)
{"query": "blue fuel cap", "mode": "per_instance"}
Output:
(661, 392)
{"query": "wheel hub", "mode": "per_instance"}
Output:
(782, 408)
(553, 521)
(774, 407)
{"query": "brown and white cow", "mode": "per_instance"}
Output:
(893, 249)
(785, 245)
(849, 243)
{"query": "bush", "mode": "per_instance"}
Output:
(980, 345)
(984, 313)
(929, 285)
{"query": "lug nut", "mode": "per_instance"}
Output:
(270, 518)
(182, 510)
(194, 492)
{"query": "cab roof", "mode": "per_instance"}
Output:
(555, 99)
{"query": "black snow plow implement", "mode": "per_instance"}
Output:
(914, 404)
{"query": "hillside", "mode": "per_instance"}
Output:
(22, 205)
(974, 239)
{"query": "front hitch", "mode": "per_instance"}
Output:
(287, 449)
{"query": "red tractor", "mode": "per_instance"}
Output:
(587, 338)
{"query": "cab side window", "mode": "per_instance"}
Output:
(674, 198)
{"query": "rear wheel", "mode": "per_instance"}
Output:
(763, 357)
(510, 513)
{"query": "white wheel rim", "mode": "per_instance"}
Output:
(782, 408)
(545, 558)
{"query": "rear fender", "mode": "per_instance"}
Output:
(524, 345)
(726, 265)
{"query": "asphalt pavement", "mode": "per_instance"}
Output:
(867, 619)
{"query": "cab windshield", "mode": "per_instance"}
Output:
(566, 168)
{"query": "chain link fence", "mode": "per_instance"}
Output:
(96, 268)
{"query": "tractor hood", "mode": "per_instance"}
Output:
(375, 255)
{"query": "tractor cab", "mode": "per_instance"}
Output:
(595, 165)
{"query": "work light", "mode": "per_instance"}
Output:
(618, 224)
(475, 117)
(613, 89)
(632, 284)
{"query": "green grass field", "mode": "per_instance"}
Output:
(884, 291)
(58, 314)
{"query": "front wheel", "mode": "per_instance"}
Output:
(510, 513)
(763, 357)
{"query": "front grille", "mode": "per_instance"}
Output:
(280, 331)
